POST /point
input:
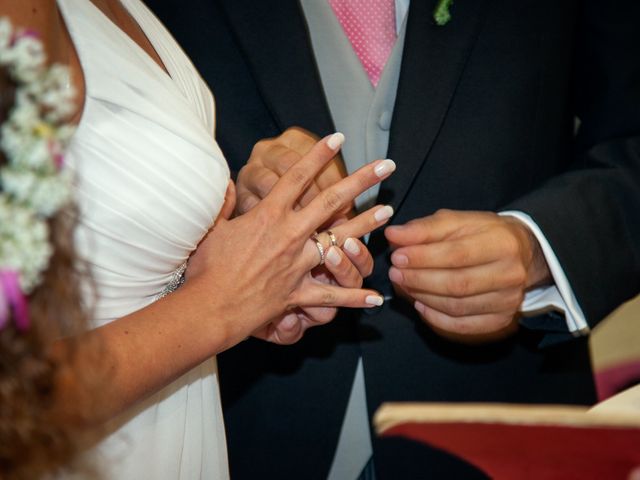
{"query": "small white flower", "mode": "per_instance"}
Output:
(18, 184)
(50, 195)
(5, 36)
(24, 243)
(29, 58)
(34, 187)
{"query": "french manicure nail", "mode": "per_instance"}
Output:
(333, 257)
(384, 213)
(374, 300)
(384, 168)
(351, 246)
(335, 141)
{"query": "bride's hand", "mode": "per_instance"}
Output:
(346, 267)
(255, 267)
(269, 160)
(347, 264)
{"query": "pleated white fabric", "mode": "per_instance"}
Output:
(150, 182)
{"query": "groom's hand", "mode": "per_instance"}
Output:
(272, 157)
(467, 272)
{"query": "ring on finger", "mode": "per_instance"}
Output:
(332, 237)
(320, 247)
(327, 238)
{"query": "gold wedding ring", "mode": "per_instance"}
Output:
(332, 237)
(322, 248)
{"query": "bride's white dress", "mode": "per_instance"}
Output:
(150, 182)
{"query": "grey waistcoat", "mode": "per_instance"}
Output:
(363, 114)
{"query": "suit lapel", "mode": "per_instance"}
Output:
(275, 41)
(433, 60)
(274, 38)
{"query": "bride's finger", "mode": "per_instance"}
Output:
(362, 224)
(344, 272)
(316, 249)
(334, 296)
(359, 255)
(293, 183)
(340, 195)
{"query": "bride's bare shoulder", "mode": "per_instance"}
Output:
(40, 16)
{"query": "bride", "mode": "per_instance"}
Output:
(151, 185)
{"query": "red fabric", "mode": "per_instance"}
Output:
(508, 452)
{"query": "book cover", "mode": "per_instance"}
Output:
(527, 441)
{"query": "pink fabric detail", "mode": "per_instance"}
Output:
(370, 26)
(4, 308)
(612, 380)
(10, 285)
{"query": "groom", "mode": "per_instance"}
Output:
(478, 114)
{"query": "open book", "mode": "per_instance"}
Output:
(527, 441)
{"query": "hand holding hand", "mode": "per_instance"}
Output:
(345, 267)
(272, 157)
(466, 271)
(257, 266)
(269, 160)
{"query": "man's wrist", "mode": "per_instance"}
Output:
(564, 299)
(538, 272)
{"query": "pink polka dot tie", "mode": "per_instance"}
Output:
(370, 26)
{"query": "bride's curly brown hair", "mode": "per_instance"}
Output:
(34, 440)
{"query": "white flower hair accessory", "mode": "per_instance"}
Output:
(34, 185)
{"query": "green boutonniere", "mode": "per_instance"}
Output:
(441, 14)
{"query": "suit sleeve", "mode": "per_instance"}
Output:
(590, 214)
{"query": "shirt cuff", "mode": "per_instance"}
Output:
(559, 296)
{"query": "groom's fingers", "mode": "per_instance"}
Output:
(287, 329)
(254, 183)
(246, 201)
(273, 163)
(230, 200)
(319, 315)
(287, 192)
(272, 157)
